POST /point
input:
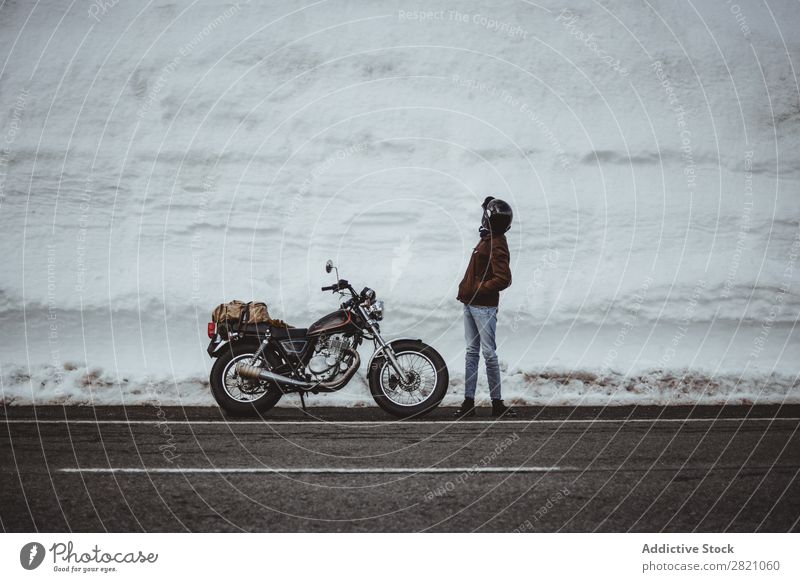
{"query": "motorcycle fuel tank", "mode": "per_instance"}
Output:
(338, 321)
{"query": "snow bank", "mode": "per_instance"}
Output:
(76, 385)
(156, 160)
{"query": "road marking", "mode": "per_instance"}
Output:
(419, 470)
(314, 470)
(379, 423)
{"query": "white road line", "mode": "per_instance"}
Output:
(313, 470)
(410, 470)
(401, 423)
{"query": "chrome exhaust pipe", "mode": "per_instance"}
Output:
(349, 373)
(263, 375)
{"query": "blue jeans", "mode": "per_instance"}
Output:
(480, 324)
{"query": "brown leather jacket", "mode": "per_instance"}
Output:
(488, 272)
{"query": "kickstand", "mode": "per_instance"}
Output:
(303, 400)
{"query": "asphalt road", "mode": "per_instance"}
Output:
(555, 469)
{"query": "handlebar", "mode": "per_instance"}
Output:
(338, 286)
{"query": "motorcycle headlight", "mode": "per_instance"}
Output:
(377, 310)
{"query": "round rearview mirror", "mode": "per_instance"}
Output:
(329, 266)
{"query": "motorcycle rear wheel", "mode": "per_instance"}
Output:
(235, 395)
(427, 374)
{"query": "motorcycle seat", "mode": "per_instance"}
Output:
(277, 332)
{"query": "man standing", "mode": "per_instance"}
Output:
(487, 274)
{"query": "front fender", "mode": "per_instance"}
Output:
(379, 352)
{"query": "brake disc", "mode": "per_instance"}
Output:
(410, 386)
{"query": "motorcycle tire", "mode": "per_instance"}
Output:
(232, 354)
(379, 368)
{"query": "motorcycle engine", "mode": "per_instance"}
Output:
(328, 356)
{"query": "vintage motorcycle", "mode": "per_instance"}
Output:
(258, 363)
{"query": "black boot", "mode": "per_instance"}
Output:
(501, 410)
(467, 408)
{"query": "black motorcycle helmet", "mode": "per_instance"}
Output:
(497, 215)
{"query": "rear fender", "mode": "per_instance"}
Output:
(216, 346)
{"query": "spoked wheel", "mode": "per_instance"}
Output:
(238, 395)
(425, 385)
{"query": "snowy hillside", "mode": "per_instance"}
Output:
(158, 158)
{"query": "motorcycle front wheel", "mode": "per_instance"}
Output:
(239, 396)
(426, 375)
